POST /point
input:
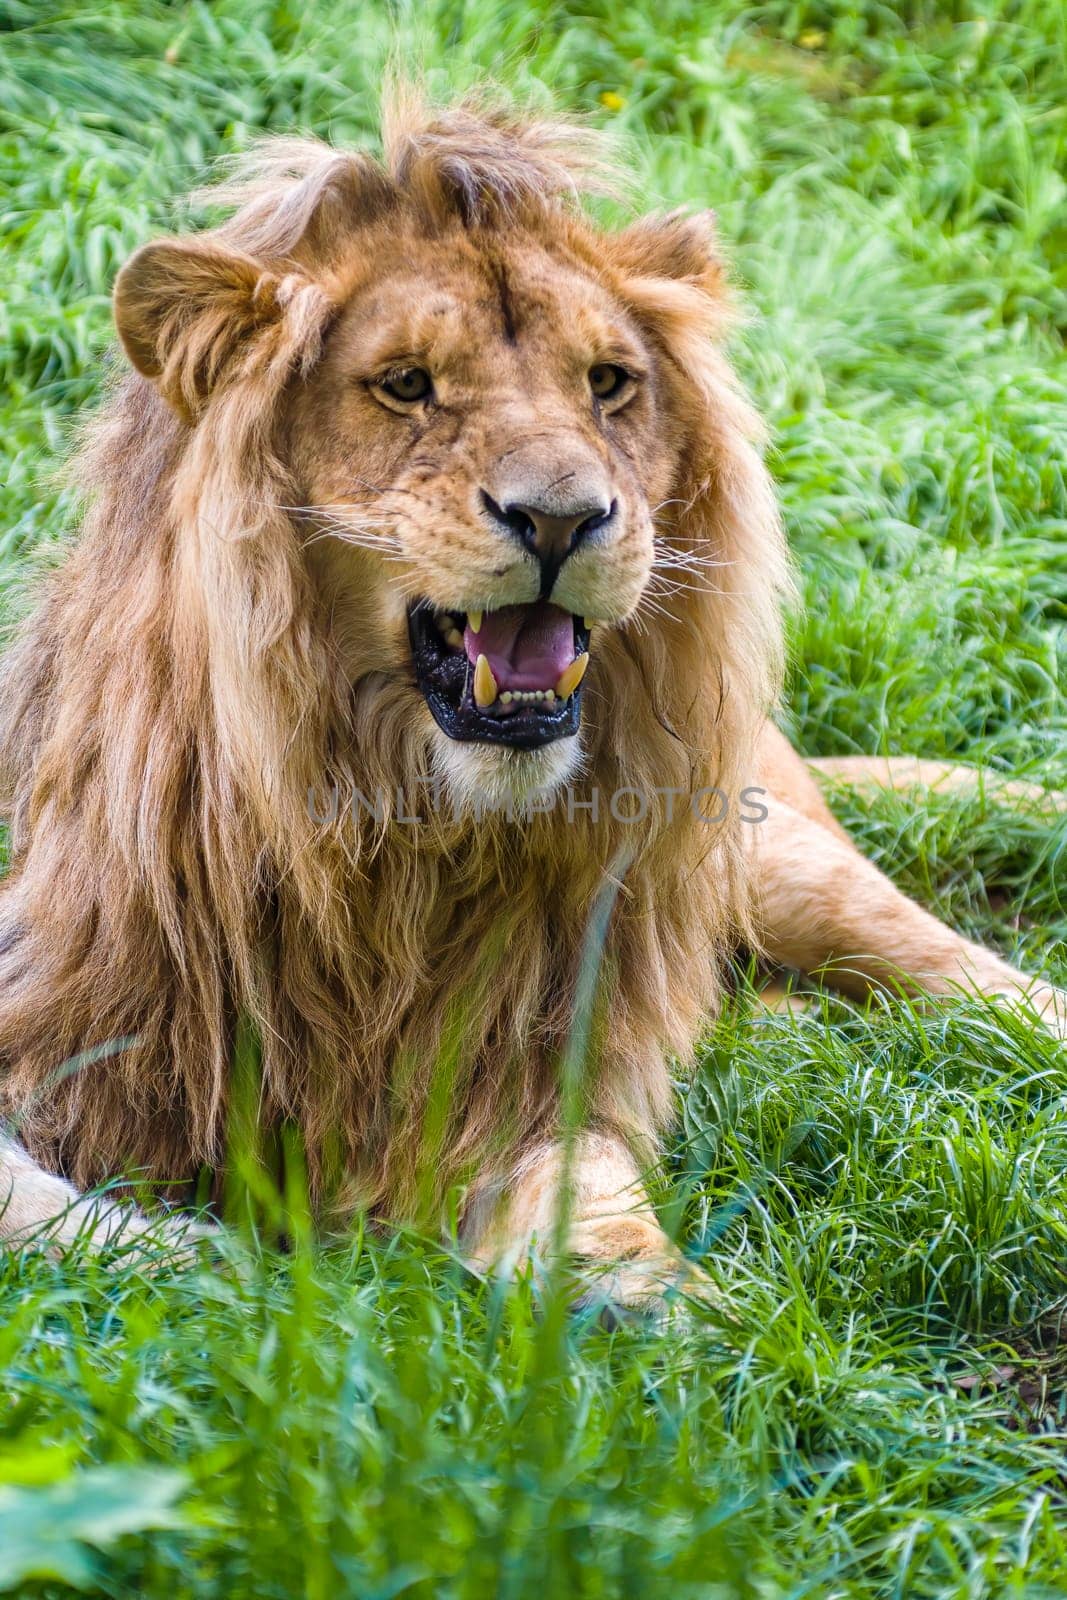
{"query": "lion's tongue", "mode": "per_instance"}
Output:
(527, 647)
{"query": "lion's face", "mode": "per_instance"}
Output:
(480, 450)
(463, 409)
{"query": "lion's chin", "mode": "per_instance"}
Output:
(482, 779)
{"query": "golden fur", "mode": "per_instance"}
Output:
(228, 638)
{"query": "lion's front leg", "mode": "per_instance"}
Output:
(39, 1209)
(586, 1204)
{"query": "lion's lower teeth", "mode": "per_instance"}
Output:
(516, 697)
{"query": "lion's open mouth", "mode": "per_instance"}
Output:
(510, 677)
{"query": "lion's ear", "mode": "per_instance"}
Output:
(673, 278)
(182, 306)
(680, 245)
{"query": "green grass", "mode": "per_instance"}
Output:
(880, 1195)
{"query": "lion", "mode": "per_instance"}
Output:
(416, 661)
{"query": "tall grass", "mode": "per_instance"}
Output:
(879, 1194)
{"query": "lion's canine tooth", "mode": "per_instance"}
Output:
(587, 622)
(474, 621)
(571, 676)
(484, 683)
(454, 638)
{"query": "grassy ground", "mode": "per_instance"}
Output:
(883, 1412)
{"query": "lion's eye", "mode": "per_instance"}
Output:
(607, 380)
(407, 383)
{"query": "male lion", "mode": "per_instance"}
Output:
(421, 478)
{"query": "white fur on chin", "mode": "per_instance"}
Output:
(481, 778)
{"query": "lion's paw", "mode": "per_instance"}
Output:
(629, 1270)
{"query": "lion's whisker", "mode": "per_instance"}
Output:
(670, 555)
(360, 540)
(667, 588)
(653, 606)
(337, 513)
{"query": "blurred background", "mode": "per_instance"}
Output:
(879, 1196)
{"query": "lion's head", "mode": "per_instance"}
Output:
(492, 417)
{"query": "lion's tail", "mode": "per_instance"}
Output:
(910, 773)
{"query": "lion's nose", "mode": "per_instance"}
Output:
(551, 532)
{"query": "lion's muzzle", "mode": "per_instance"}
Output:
(550, 528)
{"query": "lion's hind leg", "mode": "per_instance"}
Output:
(828, 911)
(904, 774)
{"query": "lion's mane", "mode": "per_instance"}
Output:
(174, 698)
